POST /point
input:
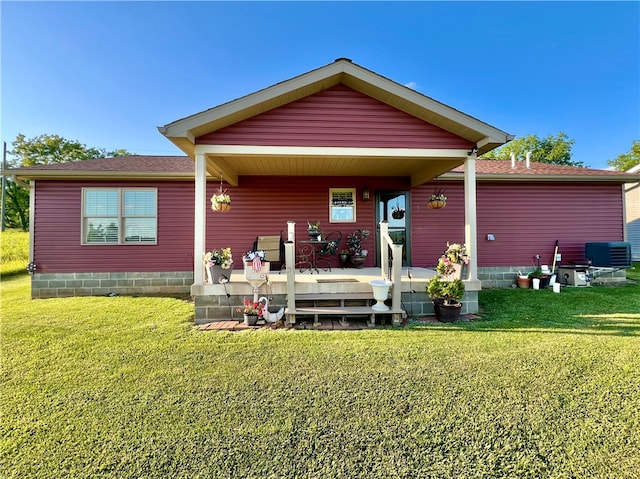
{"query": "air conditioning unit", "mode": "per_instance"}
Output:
(612, 254)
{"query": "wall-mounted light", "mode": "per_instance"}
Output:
(491, 237)
(366, 195)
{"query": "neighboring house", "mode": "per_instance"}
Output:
(297, 151)
(632, 198)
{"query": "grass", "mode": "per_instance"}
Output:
(14, 248)
(545, 385)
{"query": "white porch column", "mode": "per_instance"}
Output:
(200, 217)
(470, 229)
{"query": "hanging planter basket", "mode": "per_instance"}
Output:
(219, 206)
(437, 199)
(221, 201)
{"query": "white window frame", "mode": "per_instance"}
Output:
(120, 218)
(345, 213)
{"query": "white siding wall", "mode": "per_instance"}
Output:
(632, 201)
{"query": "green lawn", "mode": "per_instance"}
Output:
(545, 385)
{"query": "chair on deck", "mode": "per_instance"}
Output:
(273, 247)
(329, 250)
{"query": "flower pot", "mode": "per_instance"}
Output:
(250, 319)
(314, 234)
(523, 282)
(217, 206)
(447, 313)
(380, 293)
(344, 260)
(436, 204)
(358, 261)
(217, 275)
(397, 215)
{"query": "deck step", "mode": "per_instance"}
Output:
(332, 296)
(340, 311)
(344, 312)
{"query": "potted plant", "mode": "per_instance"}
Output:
(314, 230)
(251, 312)
(397, 213)
(437, 199)
(215, 261)
(354, 242)
(221, 201)
(446, 295)
(344, 257)
(452, 260)
(523, 281)
(542, 277)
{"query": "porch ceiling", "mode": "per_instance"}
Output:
(419, 170)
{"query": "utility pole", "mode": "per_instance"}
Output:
(4, 183)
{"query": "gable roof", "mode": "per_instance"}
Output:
(184, 131)
(182, 168)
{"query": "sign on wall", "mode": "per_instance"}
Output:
(342, 205)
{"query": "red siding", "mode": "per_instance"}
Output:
(526, 220)
(57, 231)
(338, 116)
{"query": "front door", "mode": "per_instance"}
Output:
(393, 207)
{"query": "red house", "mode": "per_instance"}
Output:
(341, 145)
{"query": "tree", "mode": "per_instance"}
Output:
(48, 149)
(626, 161)
(16, 208)
(552, 149)
(42, 150)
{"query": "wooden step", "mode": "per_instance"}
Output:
(332, 296)
(342, 311)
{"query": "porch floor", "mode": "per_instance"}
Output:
(338, 274)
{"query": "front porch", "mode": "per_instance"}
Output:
(218, 302)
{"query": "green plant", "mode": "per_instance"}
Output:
(221, 196)
(313, 225)
(251, 308)
(438, 195)
(355, 240)
(222, 257)
(537, 273)
(450, 291)
(345, 251)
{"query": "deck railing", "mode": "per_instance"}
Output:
(387, 246)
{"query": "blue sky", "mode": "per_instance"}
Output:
(108, 73)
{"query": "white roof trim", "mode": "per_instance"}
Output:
(341, 70)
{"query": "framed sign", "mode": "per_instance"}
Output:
(342, 205)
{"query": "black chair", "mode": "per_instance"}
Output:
(329, 250)
(273, 247)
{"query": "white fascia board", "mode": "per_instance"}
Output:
(242, 150)
(537, 178)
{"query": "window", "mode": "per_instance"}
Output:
(342, 205)
(119, 215)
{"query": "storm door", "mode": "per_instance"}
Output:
(393, 207)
